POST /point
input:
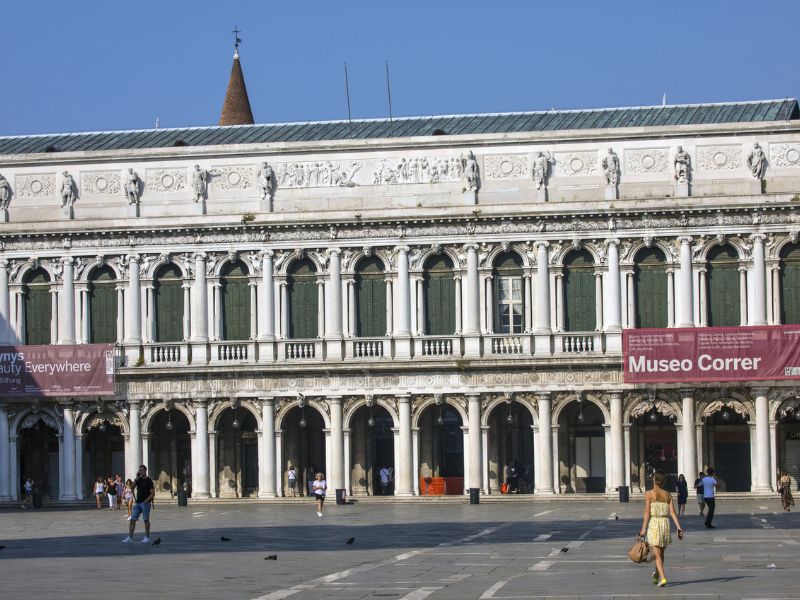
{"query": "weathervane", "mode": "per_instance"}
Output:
(237, 41)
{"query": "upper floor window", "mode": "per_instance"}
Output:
(439, 289)
(650, 288)
(102, 306)
(370, 298)
(168, 301)
(790, 284)
(37, 308)
(235, 291)
(723, 287)
(301, 284)
(508, 294)
(579, 292)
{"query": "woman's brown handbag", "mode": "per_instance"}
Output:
(640, 551)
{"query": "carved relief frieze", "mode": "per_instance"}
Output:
(505, 166)
(648, 160)
(95, 183)
(719, 158)
(317, 174)
(233, 178)
(417, 170)
(784, 156)
(166, 180)
(39, 185)
(571, 164)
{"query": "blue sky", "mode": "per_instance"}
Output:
(88, 65)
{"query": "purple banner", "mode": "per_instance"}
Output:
(80, 370)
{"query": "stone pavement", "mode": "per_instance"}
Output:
(401, 551)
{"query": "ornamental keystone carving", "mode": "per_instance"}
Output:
(100, 182)
(166, 180)
(233, 178)
(785, 156)
(505, 166)
(719, 158)
(650, 160)
(41, 185)
(573, 164)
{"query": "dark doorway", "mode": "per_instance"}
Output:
(303, 445)
(39, 458)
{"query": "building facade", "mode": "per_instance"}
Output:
(441, 295)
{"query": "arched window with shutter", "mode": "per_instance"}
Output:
(168, 301)
(235, 291)
(102, 294)
(37, 307)
(723, 287)
(579, 292)
(650, 288)
(508, 295)
(301, 286)
(440, 296)
(370, 294)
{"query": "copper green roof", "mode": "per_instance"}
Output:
(542, 121)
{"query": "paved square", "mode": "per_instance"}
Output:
(410, 551)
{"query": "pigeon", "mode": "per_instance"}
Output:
(222, 538)
(616, 518)
(156, 542)
(272, 557)
(1, 546)
(565, 549)
(350, 541)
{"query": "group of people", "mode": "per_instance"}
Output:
(115, 491)
(514, 475)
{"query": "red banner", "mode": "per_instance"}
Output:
(84, 370)
(711, 354)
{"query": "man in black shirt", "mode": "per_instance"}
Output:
(143, 493)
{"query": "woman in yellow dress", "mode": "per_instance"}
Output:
(658, 508)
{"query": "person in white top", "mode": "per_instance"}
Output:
(709, 489)
(292, 477)
(318, 488)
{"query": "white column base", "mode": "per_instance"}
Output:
(402, 347)
(543, 343)
(613, 341)
(333, 349)
(472, 346)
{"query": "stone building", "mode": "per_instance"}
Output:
(441, 295)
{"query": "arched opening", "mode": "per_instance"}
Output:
(581, 448)
(303, 441)
(654, 446)
(439, 290)
(511, 455)
(579, 292)
(168, 300)
(301, 283)
(37, 309)
(371, 451)
(441, 451)
(723, 287)
(102, 294)
(370, 282)
(103, 452)
(170, 463)
(650, 288)
(235, 290)
(39, 456)
(788, 440)
(509, 297)
(790, 284)
(236, 448)
(727, 449)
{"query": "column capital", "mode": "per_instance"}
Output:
(199, 256)
(685, 239)
(134, 403)
(403, 398)
(687, 392)
(265, 254)
(402, 248)
(267, 400)
(471, 247)
(611, 242)
(760, 391)
(543, 396)
(541, 244)
(335, 400)
(758, 237)
(67, 261)
(3, 263)
(473, 396)
(200, 402)
(615, 395)
(334, 251)
(133, 257)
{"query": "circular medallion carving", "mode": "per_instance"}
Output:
(793, 156)
(234, 178)
(36, 186)
(101, 183)
(720, 158)
(648, 162)
(167, 181)
(506, 167)
(576, 164)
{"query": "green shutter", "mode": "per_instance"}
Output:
(103, 307)
(38, 308)
(168, 298)
(790, 285)
(650, 284)
(723, 287)
(579, 292)
(303, 305)
(235, 291)
(440, 297)
(370, 298)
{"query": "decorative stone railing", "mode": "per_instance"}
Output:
(300, 350)
(368, 348)
(165, 353)
(437, 346)
(506, 344)
(579, 343)
(229, 351)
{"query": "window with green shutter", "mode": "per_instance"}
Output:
(303, 300)
(102, 306)
(38, 307)
(439, 289)
(370, 298)
(235, 290)
(723, 287)
(508, 295)
(168, 300)
(650, 288)
(579, 292)
(790, 284)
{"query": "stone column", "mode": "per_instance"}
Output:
(614, 316)
(690, 467)
(545, 450)
(199, 306)
(403, 329)
(701, 274)
(135, 437)
(759, 281)
(485, 460)
(560, 313)
(253, 309)
(68, 491)
(687, 298)
(776, 295)
(742, 295)
(542, 341)
(86, 329)
(598, 300)
(489, 295)
(617, 440)
(334, 326)
(527, 288)
(459, 304)
(80, 483)
(320, 307)
(267, 462)
(404, 459)
(266, 318)
(133, 325)
(5, 307)
(66, 319)
(472, 331)
(187, 310)
(284, 310)
(337, 442)
(474, 418)
(352, 324)
(670, 297)
(200, 462)
(389, 307)
(5, 456)
(761, 477)
(150, 321)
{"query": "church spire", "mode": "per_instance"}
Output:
(236, 108)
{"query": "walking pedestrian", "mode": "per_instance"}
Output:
(99, 491)
(291, 475)
(385, 477)
(143, 493)
(127, 496)
(318, 488)
(111, 492)
(120, 490)
(28, 488)
(709, 496)
(785, 490)
(698, 488)
(683, 494)
(658, 509)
